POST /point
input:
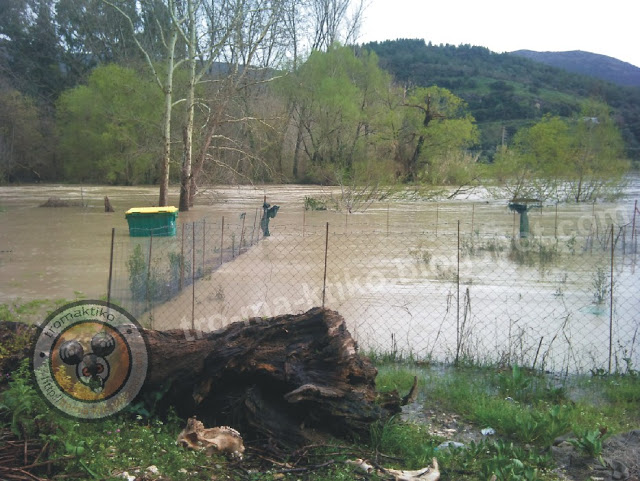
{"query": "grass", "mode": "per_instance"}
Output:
(34, 311)
(525, 424)
(527, 410)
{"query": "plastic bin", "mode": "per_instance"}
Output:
(156, 221)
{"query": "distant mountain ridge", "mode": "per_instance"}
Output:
(586, 63)
(505, 92)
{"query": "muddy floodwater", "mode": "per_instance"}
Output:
(412, 274)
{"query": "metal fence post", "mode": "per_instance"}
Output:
(611, 303)
(113, 234)
(222, 242)
(387, 218)
(193, 275)
(458, 299)
(241, 235)
(326, 249)
(182, 259)
(473, 215)
(255, 218)
(204, 235)
(149, 275)
(634, 236)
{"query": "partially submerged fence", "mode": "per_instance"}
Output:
(448, 283)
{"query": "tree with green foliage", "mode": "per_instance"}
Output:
(26, 147)
(30, 50)
(337, 100)
(108, 128)
(536, 162)
(598, 162)
(167, 31)
(436, 128)
(93, 33)
(580, 159)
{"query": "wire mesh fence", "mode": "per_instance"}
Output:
(438, 284)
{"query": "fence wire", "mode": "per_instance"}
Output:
(409, 284)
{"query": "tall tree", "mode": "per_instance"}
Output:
(436, 124)
(337, 97)
(579, 159)
(249, 42)
(26, 147)
(599, 161)
(535, 163)
(94, 33)
(107, 128)
(31, 53)
(168, 32)
(334, 21)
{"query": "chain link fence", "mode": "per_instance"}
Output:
(443, 283)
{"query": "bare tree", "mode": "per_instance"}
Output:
(335, 21)
(168, 33)
(256, 41)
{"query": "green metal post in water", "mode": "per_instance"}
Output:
(521, 206)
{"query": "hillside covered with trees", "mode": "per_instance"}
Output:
(206, 91)
(592, 64)
(506, 91)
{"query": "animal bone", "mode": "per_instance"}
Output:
(430, 473)
(361, 464)
(222, 439)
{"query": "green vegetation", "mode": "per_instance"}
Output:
(159, 279)
(123, 442)
(507, 92)
(527, 410)
(119, 96)
(105, 128)
(579, 160)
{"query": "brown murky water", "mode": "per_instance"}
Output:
(392, 269)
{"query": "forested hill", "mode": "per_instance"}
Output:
(505, 91)
(599, 66)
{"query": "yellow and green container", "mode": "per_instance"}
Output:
(156, 221)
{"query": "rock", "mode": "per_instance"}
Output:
(620, 470)
(450, 444)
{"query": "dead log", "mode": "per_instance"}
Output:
(288, 379)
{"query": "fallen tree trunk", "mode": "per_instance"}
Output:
(287, 379)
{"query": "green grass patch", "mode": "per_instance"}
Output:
(527, 409)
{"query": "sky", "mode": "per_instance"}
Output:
(610, 27)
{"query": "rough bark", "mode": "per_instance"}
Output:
(287, 378)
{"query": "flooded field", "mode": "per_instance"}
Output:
(412, 275)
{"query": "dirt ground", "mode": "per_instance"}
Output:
(621, 453)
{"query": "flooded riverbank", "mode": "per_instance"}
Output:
(414, 275)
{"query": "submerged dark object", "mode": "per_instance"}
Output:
(268, 212)
(521, 206)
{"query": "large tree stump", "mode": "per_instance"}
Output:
(287, 379)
